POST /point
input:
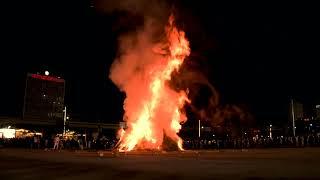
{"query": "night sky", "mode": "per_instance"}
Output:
(259, 55)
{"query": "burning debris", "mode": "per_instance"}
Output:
(153, 110)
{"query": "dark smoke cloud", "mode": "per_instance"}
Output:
(155, 9)
(220, 116)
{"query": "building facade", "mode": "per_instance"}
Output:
(44, 99)
(317, 112)
(296, 110)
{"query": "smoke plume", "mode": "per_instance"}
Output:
(140, 49)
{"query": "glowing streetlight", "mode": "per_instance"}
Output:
(270, 131)
(199, 129)
(64, 119)
(46, 73)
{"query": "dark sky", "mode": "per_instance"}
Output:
(259, 54)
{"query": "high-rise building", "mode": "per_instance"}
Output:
(317, 112)
(296, 109)
(44, 99)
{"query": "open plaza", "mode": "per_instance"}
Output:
(300, 163)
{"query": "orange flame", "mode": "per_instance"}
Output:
(160, 112)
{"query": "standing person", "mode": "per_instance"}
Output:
(35, 142)
(89, 144)
(46, 142)
(61, 141)
(80, 143)
(68, 145)
(302, 141)
(218, 144)
(29, 141)
(56, 143)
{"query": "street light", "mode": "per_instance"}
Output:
(199, 129)
(64, 120)
(46, 73)
(270, 131)
(293, 118)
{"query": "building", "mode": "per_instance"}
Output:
(296, 109)
(44, 99)
(10, 124)
(317, 112)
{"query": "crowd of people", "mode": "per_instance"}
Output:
(59, 143)
(253, 142)
(103, 143)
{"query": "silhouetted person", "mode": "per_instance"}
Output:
(56, 143)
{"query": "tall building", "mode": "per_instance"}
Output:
(44, 99)
(296, 109)
(317, 112)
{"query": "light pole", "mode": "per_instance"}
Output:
(199, 129)
(64, 120)
(270, 131)
(293, 118)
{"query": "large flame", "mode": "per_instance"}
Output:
(157, 108)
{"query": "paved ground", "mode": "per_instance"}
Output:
(267, 163)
